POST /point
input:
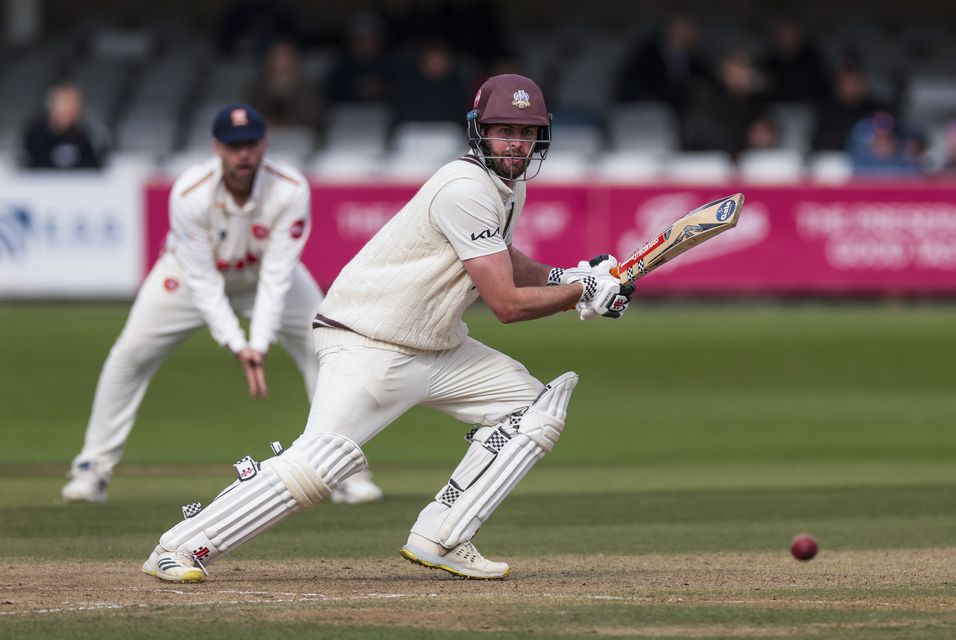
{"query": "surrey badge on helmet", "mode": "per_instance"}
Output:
(521, 99)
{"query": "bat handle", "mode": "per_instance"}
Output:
(614, 272)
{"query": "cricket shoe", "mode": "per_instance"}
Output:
(173, 566)
(85, 485)
(464, 561)
(356, 489)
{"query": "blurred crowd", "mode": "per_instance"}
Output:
(424, 60)
(726, 104)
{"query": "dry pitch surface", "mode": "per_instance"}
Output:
(905, 586)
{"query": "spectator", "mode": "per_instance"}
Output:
(880, 145)
(730, 116)
(362, 71)
(280, 92)
(410, 22)
(252, 27)
(850, 102)
(762, 133)
(59, 138)
(476, 30)
(793, 67)
(665, 67)
(431, 88)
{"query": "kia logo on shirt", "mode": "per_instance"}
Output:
(487, 234)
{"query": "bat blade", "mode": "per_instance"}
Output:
(703, 223)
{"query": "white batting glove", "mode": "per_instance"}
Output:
(598, 264)
(603, 295)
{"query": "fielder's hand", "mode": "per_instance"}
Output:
(253, 364)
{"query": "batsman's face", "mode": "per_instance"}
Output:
(240, 160)
(510, 147)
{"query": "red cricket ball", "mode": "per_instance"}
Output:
(803, 547)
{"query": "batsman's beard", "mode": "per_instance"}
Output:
(508, 167)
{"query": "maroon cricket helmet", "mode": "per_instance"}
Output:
(509, 99)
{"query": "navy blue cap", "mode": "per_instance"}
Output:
(238, 123)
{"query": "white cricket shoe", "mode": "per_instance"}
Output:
(464, 561)
(85, 485)
(173, 566)
(356, 489)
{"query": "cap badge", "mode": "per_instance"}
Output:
(239, 117)
(521, 99)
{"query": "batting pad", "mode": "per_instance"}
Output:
(300, 477)
(498, 458)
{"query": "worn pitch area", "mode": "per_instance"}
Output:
(384, 591)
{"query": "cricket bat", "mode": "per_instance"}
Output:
(703, 223)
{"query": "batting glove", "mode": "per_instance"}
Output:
(598, 264)
(604, 295)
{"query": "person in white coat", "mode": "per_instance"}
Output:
(239, 222)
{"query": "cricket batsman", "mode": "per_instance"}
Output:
(390, 336)
(238, 225)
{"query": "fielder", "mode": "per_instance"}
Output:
(390, 336)
(238, 226)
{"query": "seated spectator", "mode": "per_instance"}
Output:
(252, 27)
(850, 102)
(476, 29)
(880, 145)
(59, 138)
(281, 93)
(664, 67)
(762, 133)
(730, 116)
(431, 88)
(362, 72)
(793, 67)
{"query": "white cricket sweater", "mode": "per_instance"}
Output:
(407, 286)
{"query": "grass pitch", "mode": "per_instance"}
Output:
(700, 440)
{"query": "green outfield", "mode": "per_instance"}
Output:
(701, 438)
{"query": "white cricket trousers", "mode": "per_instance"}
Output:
(363, 386)
(162, 316)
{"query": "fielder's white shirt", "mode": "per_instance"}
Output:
(408, 286)
(223, 248)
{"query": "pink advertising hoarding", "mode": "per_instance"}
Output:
(859, 239)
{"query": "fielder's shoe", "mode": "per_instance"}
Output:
(356, 489)
(85, 485)
(173, 566)
(464, 561)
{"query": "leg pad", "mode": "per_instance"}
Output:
(498, 458)
(300, 477)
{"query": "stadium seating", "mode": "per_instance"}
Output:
(701, 167)
(829, 167)
(771, 166)
(154, 89)
(649, 127)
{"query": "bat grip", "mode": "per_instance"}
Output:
(614, 272)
